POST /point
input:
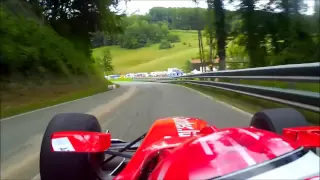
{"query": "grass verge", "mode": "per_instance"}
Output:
(28, 97)
(122, 80)
(250, 104)
(304, 86)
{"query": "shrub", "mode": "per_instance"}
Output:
(165, 45)
(173, 38)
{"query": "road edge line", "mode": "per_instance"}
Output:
(48, 107)
(221, 102)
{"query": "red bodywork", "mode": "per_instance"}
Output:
(80, 141)
(190, 147)
(306, 136)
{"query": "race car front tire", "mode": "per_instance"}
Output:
(275, 120)
(66, 165)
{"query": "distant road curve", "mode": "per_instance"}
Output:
(127, 112)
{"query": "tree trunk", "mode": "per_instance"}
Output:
(211, 49)
(287, 31)
(200, 52)
(255, 52)
(317, 17)
(210, 31)
(220, 32)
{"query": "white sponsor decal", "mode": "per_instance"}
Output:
(206, 148)
(184, 127)
(205, 143)
(62, 144)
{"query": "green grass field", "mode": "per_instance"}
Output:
(149, 59)
(121, 80)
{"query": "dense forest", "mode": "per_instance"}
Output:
(138, 33)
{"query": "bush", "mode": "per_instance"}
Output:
(165, 45)
(173, 38)
(149, 43)
(106, 61)
(187, 66)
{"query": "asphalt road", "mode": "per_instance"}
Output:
(127, 112)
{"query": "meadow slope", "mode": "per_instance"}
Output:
(151, 58)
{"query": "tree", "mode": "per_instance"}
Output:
(237, 55)
(210, 29)
(219, 16)
(164, 44)
(201, 53)
(106, 61)
(187, 66)
(317, 19)
(77, 19)
(254, 38)
(179, 18)
(141, 33)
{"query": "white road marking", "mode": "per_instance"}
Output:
(221, 102)
(37, 177)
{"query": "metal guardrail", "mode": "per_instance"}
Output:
(302, 73)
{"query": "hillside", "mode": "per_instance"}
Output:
(151, 58)
(264, 38)
(39, 67)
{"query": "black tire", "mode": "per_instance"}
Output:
(275, 120)
(68, 166)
